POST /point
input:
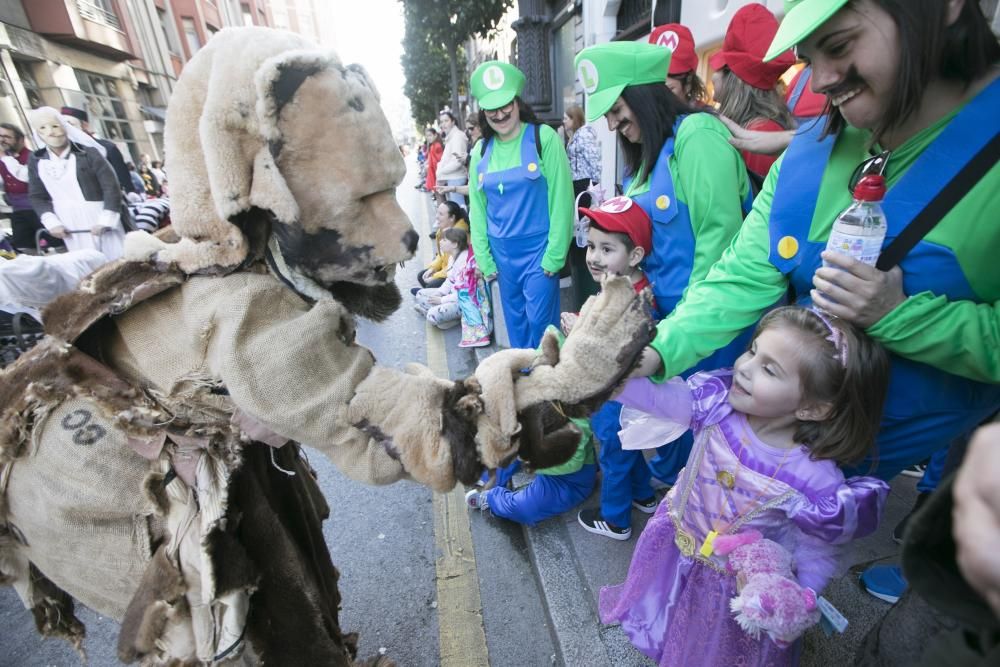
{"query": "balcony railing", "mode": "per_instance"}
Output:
(94, 12)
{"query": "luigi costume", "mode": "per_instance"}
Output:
(520, 210)
(945, 370)
(696, 195)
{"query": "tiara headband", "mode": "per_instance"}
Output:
(836, 336)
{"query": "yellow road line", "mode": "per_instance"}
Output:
(461, 636)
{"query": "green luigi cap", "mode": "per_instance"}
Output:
(802, 17)
(496, 83)
(605, 70)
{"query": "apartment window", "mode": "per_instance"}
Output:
(173, 45)
(107, 110)
(99, 11)
(27, 76)
(191, 35)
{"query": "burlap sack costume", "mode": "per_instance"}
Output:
(149, 445)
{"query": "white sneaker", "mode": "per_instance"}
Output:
(476, 499)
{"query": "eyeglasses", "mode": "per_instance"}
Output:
(502, 111)
(873, 166)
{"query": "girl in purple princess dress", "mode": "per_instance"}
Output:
(769, 435)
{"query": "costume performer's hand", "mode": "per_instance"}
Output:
(529, 396)
(976, 515)
(426, 423)
(856, 292)
(58, 232)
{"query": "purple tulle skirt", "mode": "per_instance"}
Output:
(676, 610)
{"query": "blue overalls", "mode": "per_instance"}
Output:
(668, 267)
(546, 496)
(926, 408)
(517, 217)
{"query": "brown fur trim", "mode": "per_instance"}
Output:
(154, 489)
(110, 290)
(232, 566)
(463, 404)
(54, 615)
(53, 371)
(162, 587)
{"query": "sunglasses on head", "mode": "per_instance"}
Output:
(874, 165)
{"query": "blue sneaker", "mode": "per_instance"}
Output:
(885, 582)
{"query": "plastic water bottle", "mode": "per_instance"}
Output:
(859, 231)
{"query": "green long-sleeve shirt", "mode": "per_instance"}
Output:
(555, 170)
(708, 174)
(958, 336)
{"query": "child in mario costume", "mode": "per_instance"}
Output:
(618, 238)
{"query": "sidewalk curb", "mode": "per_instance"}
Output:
(568, 599)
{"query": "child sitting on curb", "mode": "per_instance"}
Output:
(440, 304)
(449, 214)
(553, 491)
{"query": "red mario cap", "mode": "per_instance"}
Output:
(621, 214)
(747, 39)
(680, 41)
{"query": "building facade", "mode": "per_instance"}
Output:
(119, 59)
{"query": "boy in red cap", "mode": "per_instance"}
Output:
(682, 77)
(620, 236)
(745, 85)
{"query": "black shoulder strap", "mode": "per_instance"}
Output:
(938, 207)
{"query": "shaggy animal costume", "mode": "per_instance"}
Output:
(156, 477)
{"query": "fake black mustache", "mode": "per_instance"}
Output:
(503, 119)
(851, 81)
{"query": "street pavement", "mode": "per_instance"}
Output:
(534, 590)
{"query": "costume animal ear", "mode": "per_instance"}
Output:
(278, 81)
(220, 129)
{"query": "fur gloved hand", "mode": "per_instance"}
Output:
(425, 422)
(770, 599)
(529, 396)
(602, 349)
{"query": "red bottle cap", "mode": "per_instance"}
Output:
(870, 188)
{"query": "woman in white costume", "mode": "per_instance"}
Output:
(73, 188)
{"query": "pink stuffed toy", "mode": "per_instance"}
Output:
(770, 599)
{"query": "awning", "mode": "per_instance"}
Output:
(159, 113)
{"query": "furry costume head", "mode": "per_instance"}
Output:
(272, 141)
